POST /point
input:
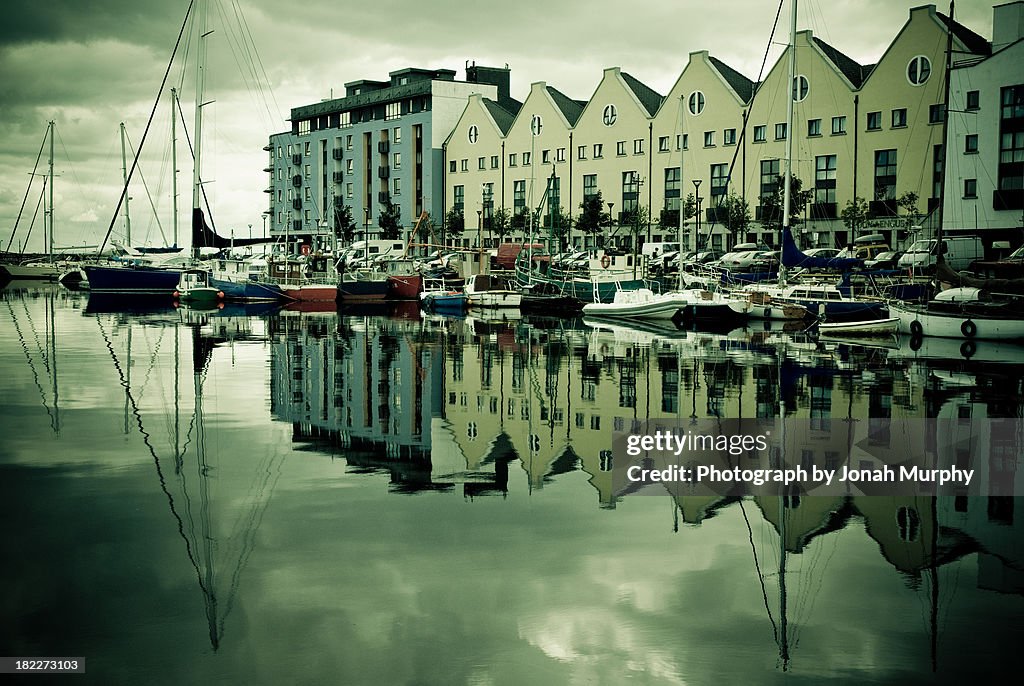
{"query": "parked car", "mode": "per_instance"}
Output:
(885, 260)
(738, 249)
(707, 256)
(825, 253)
(767, 262)
(742, 260)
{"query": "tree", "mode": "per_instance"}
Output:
(908, 201)
(734, 214)
(390, 221)
(501, 223)
(669, 219)
(454, 223)
(563, 223)
(636, 220)
(798, 199)
(854, 214)
(344, 224)
(592, 217)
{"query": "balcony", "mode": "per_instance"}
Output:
(296, 159)
(384, 198)
(824, 210)
(768, 213)
(337, 153)
(1008, 200)
(297, 180)
(882, 208)
(338, 177)
(296, 203)
(296, 225)
(383, 147)
(383, 172)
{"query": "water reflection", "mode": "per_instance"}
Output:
(254, 444)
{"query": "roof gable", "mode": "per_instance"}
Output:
(650, 99)
(740, 84)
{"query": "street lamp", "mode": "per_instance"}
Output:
(697, 199)
(610, 220)
(479, 240)
(366, 222)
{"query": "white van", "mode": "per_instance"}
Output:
(959, 252)
(363, 253)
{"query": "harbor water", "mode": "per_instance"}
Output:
(255, 495)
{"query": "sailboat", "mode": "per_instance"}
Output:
(38, 269)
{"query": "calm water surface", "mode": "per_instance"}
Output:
(370, 498)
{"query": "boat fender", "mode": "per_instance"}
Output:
(767, 313)
(915, 342)
(969, 329)
(176, 294)
(220, 294)
(968, 348)
(916, 329)
(606, 261)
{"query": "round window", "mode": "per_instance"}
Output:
(918, 70)
(801, 86)
(610, 115)
(474, 133)
(696, 102)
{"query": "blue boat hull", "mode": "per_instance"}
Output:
(133, 280)
(248, 290)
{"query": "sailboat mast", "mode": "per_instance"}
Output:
(945, 131)
(174, 165)
(49, 244)
(197, 212)
(788, 179)
(679, 256)
(124, 176)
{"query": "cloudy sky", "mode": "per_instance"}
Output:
(91, 64)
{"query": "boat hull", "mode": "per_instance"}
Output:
(34, 272)
(405, 286)
(248, 290)
(918, 321)
(131, 280)
(362, 290)
(311, 292)
(875, 327)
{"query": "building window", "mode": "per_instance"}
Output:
(349, 190)
(511, 159)
(630, 193)
(1011, 146)
(397, 134)
(801, 87)
(345, 120)
(458, 197)
(899, 118)
(719, 182)
(349, 166)
(620, 148)
(684, 140)
(918, 70)
(709, 139)
(769, 180)
(609, 115)
(838, 126)
(760, 133)
(662, 143)
(452, 166)
(396, 160)
(696, 103)
(487, 202)
(560, 155)
(473, 135)
(973, 100)
(825, 179)
(598, 151)
(874, 121)
(936, 114)
(885, 175)
(396, 186)
(971, 143)
(306, 149)
(304, 127)
(813, 127)
(729, 137)
(536, 124)
(589, 186)
(638, 146)
(481, 163)
(672, 187)
(526, 159)
(545, 156)
(306, 171)
(464, 165)
(581, 152)
(519, 197)
(494, 161)
(970, 188)
(393, 110)
(938, 164)
(348, 142)
(780, 131)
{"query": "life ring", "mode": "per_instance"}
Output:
(915, 342)
(967, 349)
(606, 261)
(969, 329)
(916, 329)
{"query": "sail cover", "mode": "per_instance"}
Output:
(793, 257)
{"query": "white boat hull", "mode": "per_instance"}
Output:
(921, 322)
(874, 327)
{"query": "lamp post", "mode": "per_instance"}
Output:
(366, 222)
(479, 240)
(610, 220)
(697, 199)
